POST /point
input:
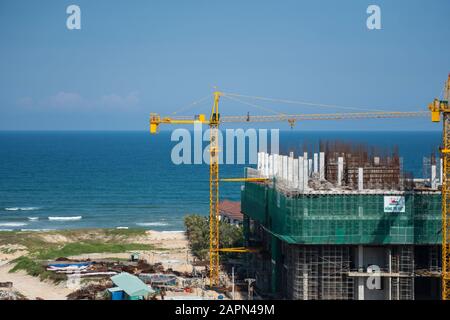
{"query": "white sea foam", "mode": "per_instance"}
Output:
(33, 218)
(12, 224)
(6, 230)
(22, 208)
(36, 230)
(122, 228)
(65, 218)
(152, 224)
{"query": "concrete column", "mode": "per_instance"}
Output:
(280, 166)
(360, 179)
(274, 165)
(360, 221)
(266, 164)
(290, 172)
(433, 177)
(271, 166)
(300, 173)
(305, 285)
(285, 167)
(322, 166)
(340, 171)
(310, 167)
(361, 269)
(376, 160)
(280, 174)
(295, 173)
(305, 174)
(390, 271)
(316, 163)
(262, 163)
(258, 164)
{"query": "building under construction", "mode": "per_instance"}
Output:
(343, 223)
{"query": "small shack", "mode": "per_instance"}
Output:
(128, 287)
(134, 256)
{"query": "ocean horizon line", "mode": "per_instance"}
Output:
(169, 130)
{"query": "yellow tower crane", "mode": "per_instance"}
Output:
(437, 108)
(215, 120)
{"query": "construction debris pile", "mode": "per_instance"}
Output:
(7, 292)
(91, 292)
(99, 273)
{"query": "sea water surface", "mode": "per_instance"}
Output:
(58, 180)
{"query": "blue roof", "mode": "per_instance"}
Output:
(132, 285)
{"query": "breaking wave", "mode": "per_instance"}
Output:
(65, 218)
(12, 224)
(22, 208)
(152, 224)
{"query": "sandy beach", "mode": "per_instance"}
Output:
(168, 248)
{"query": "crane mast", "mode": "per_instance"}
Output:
(437, 108)
(214, 266)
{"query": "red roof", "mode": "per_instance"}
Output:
(231, 209)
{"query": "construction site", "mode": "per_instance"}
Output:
(343, 223)
(337, 221)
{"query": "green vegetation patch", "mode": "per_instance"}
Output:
(74, 249)
(36, 269)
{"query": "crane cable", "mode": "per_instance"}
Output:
(252, 104)
(192, 104)
(236, 96)
(305, 103)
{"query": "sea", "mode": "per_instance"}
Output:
(62, 180)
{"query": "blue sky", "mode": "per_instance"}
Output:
(135, 57)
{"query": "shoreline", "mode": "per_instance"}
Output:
(88, 228)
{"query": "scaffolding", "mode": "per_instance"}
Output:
(336, 272)
(317, 273)
(335, 283)
(402, 286)
(302, 273)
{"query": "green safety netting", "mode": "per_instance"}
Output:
(343, 218)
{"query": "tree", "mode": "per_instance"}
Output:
(197, 230)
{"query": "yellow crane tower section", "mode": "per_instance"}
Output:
(213, 122)
(437, 108)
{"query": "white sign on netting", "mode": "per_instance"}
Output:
(394, 204)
